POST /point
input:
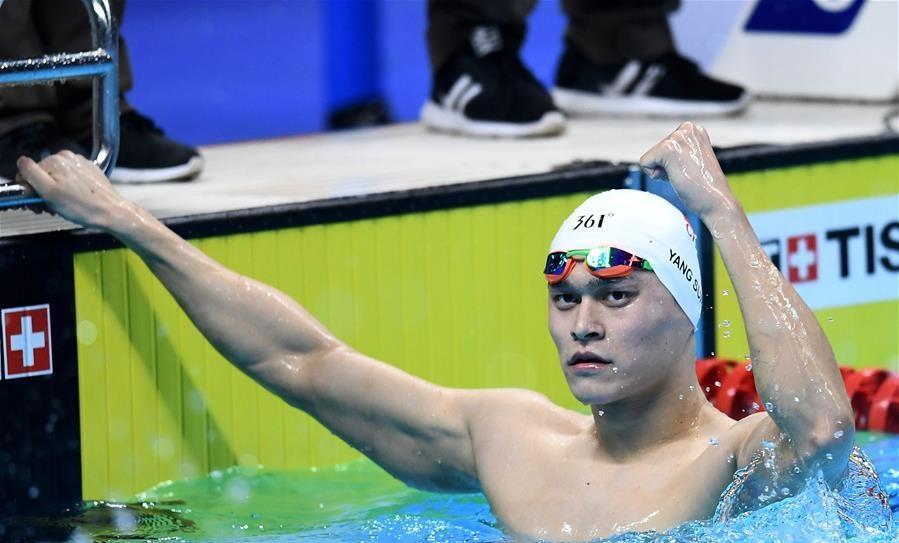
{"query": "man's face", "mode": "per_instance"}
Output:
(617, 337)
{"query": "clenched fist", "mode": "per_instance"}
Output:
(686, 159)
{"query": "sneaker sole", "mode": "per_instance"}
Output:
(584, 103)
(440, 119)
(182, 172)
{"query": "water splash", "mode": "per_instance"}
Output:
(359, 502)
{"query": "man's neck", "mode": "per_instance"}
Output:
(633, 426)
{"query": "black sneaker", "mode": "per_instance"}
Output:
(485, 90)
(36, 141)
(147, 156)
(670, 85)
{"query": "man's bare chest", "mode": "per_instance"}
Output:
(582, 500)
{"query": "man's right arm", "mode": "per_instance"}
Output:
(414, 429)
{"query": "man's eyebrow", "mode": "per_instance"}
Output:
(596, 283)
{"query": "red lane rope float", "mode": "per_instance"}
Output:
(873, 392)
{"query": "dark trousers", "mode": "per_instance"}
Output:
(34, 28)
(605, 31)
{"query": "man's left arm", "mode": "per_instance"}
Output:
(796, 373)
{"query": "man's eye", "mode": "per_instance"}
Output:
(617, 296)
(565, 300)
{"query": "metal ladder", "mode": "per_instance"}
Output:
(101, 65)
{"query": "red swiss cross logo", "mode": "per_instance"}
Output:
(26, 341)
(802, 258)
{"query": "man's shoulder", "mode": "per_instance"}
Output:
(507, 408)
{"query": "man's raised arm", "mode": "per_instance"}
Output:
(414, 429)
(796, 373)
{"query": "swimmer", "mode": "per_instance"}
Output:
(623, 303)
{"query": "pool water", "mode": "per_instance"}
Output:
(358, 502)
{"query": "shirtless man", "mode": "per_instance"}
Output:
(653, 454)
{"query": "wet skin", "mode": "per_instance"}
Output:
(644, 459)
(653, 454)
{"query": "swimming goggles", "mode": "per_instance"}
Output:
(602, 262)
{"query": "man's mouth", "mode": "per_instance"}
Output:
(587, 360)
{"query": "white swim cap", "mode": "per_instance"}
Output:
(645, 225)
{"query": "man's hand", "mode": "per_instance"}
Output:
(73, 187)
(687, 160)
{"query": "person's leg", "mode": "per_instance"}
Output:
(63, 28)
(450, 23)
(19, 39)
(609, 31)
(479, 85)
(145, 154)
(27, 125)
(620, 57)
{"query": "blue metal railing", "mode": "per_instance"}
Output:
(101, 65)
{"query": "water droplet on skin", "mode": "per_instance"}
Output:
(838, 434)
(692, 388)
(713, 441)
(796, 399)
(614, 370)
(680, 396)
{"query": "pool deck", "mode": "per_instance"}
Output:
(406, 156)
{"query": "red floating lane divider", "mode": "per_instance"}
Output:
(711, 371)
(883, 415)
(861, 386)
(738, 397)
(873, 392)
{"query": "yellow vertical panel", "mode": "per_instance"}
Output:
(271, 413)
(362, 262)
(464, 273)
(529, 254)
(413, 316)
(391, 290)
(116, 338)
(208, 393)
(91, 376)
(487, 297)
(438, 271)
(171, 455)
(142, 360)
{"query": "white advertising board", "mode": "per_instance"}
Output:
(835, 49)
(838, 254)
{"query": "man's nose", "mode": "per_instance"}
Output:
(587, 327)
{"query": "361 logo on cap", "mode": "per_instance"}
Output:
(26, 341)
